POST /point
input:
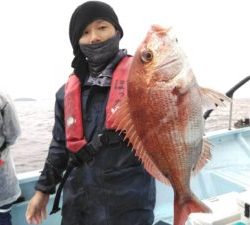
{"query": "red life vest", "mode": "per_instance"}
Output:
(73, 117)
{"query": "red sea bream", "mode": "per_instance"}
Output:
(162, 116)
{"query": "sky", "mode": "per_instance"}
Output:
(35, 51)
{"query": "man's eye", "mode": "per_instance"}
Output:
(85, 32)
(102, 27)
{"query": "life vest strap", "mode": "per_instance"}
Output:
(76, 159)
(56, 207)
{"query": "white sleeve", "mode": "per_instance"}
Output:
(11, 127)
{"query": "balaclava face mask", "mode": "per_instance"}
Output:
(98, 55)
(81, 18)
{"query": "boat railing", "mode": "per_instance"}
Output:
(230, 94)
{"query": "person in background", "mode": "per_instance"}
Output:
(9, 131)
(107, 183)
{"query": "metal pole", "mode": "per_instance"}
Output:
(230, 115)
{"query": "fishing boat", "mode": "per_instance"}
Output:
(223, 183)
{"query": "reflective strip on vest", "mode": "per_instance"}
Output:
(73, 116)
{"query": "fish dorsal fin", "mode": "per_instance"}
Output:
(205, 156)
(124, 123)
(211, 98)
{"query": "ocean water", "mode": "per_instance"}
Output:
(37, 118)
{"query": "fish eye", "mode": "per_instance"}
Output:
(147, 56)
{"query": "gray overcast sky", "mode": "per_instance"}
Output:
(35, 51)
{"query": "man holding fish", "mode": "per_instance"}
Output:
(108, 184)
(120, 122)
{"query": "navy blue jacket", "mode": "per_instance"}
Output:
(113, 188)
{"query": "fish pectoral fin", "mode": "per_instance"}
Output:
(123, 122)
(211, 99)
(184, 83)
(205, 156)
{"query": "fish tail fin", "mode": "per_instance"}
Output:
(186, 205)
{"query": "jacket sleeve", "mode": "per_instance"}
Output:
(10, 124)
(57, 158)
